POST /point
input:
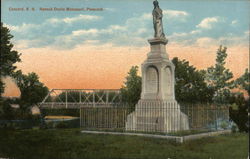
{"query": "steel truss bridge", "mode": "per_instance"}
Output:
(76, 98)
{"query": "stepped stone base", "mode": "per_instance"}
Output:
(157, 116)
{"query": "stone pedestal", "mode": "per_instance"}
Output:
(157, 109)
(157, 116)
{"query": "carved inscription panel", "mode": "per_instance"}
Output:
(168, 81)
(152, 80)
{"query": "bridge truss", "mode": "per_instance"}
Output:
(76, 98)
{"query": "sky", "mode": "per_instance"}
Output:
(94, 48)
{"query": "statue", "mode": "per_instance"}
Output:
(157, 20)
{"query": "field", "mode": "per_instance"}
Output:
(71, 144)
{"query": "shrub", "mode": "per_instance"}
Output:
(234, 128)
(224, 125)
(238, 112)
(62, 125)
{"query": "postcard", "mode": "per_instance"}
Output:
(80, 55)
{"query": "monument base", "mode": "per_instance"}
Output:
(157, 116)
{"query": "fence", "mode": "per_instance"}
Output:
(153, 119)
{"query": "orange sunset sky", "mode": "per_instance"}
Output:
(107, 66)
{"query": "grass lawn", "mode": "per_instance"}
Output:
(70, 143)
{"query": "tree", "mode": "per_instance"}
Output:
(238, 111)
(243, 82)
(219, 78)
(8, 56)
(240, 107)
(131, 90)
(190, 83)
(32, 90)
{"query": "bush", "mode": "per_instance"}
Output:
(224, 125)
(6, 111)
(234, 128)
(70, 112)
(238, 112)
(18, 124)
(61, 125)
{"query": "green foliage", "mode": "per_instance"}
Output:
(61, 125)
(224, 125)
(6, 111)
(1, 89)
(32, 90)
(234, 128)
(9, 113)
(8, 56)
(20, 124)
(243, 82)
(238, 111)
(63, 112)
(190, 85)
(131, 90)
(219, 78)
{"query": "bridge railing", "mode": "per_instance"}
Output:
(74, 98)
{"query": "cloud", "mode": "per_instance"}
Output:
(117, 27)
(212, 37)
(70, 20)
(195, 32)
(234, 23)
(51, 32)
(24, 28)
(91, 42)
(98, 36)
(240, 40)
(167, 14)
(247, 32)
(208, 23)
(227, 40)
(81, 18)
(146, 16)
(11, 27)
(206, 42)
(185, 38)
(175, 13)
(133, 31)
(110, 9)
(85, 32)
(94, 32)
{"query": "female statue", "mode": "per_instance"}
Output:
(157, 20)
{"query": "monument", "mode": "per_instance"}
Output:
(157, 110)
